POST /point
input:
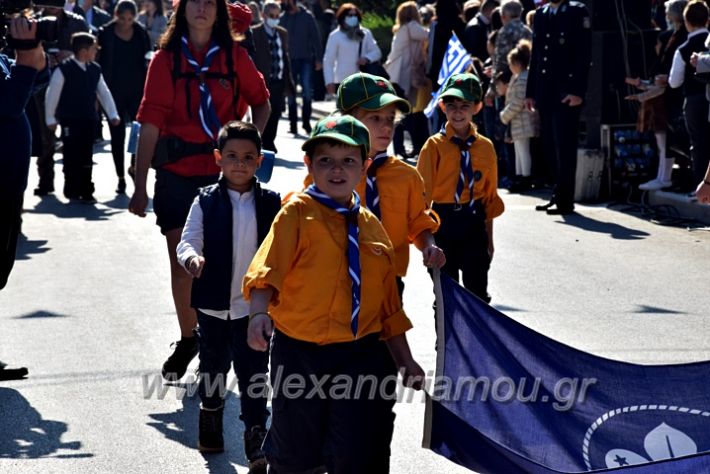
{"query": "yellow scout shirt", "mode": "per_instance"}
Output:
(404, 212)
(440, 165)
(304, 258)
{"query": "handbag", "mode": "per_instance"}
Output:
(375, 67)
(703, 77)
(418, 77)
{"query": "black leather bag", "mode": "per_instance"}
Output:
(375, 68)
(172, 149)
(703, 77)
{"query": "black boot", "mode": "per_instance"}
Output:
(253, 440)
(176, 365)
(211, 439)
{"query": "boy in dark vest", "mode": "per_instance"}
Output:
(71, 100)
(226, 224)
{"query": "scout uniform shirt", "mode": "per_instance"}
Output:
(404, 212)
(304, 259)
(440, 165)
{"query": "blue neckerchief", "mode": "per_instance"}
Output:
(353, 246)
(208, 114)
(372, 197)
(466, 173)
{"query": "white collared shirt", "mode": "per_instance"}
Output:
(244, 246)
(677, 74)
(54, 92)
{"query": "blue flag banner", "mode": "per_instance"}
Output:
(509, 400)
(456, 60)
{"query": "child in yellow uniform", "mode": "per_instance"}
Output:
(391, 189)
(323, 282)
(460, 172)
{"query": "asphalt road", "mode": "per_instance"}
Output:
(88, 311)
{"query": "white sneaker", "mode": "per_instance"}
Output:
(654, 185)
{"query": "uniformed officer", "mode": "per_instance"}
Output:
(557, 83)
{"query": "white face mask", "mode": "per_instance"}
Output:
(352, 21)
(272, 22)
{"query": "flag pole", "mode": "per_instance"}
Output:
(439, 321)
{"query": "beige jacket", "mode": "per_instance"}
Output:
(523, 123)
(405, 44)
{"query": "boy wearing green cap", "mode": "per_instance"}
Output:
(460, 172)
(391, 189)
(323, 284)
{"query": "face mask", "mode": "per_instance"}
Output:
(272, 22)
(352, 21)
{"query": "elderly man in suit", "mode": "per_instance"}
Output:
(272, 60)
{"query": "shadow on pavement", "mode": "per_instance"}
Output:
(507, 309)
(295, 165)
(73, 210)
(642, 308)
(181, 426)
(24, 434)
(26, 247)
(615, 231)
(41, 314)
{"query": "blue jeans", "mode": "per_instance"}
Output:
(302, 71)
(224, 342)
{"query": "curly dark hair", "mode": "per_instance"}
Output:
(222, 31)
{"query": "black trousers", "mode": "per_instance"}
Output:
(78, 138)
(45, 158)
(224, 342)
(417, 126)
(127, 107)
(560, 130)
(463, 238)
(695, 110)
(10, 226)
(341, 429)
(276, 99)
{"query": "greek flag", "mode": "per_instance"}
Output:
(509, 400)
(456, 60)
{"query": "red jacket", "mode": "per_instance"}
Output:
(164, 102)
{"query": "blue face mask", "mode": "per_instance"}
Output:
(272, 22)
(352, 21)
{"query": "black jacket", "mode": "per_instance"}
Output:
(561, 52)
(107, 40)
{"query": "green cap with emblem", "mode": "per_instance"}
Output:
(345, 129)
(368, 92)
(464, 86)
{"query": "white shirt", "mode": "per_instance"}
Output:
(54, 91)
(340, 58)
(244, 246)
(677, 74)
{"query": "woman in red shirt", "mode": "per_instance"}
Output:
(199, 79)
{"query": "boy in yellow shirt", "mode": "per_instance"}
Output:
(323, 284)
(460, 172)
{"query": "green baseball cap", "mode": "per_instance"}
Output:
(368, 92)
(464, 86)
(346, 129)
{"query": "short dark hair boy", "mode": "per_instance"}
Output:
(225, 225)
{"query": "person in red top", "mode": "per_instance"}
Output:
(199, 79)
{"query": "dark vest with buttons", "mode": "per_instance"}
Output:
(78, 98)
(695, 44)
(213, 289)
(561, 53)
